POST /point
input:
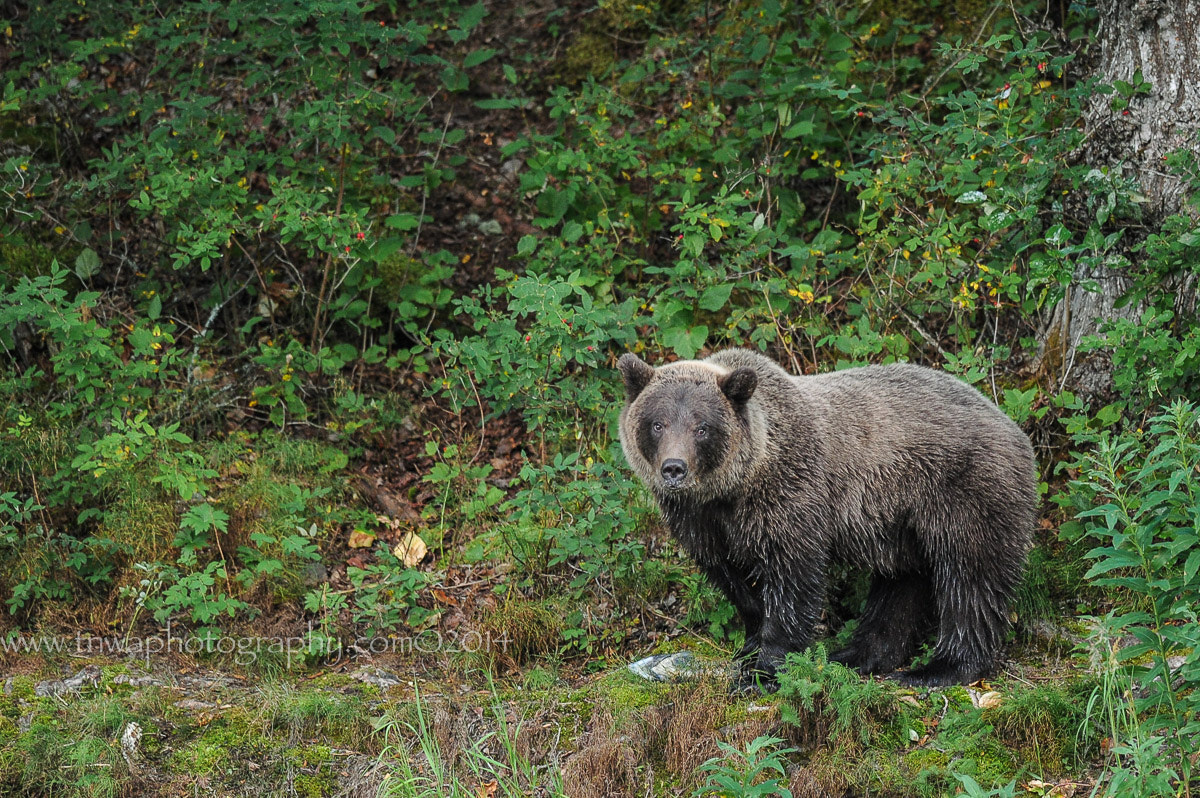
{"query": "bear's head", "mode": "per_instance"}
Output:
(684, 424)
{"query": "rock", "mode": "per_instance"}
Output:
(137, 681)
(129, 742)
(491, 227)
(89, 675)
(193, 705)
(376, 676)
(677, 667)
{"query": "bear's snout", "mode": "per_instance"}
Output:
(673, 471)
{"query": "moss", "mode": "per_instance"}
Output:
(8, 729)
(220, 748)
(924, 759)
(23, 688)
(591, 54)
(1040, 727)
(313, 775)
(27, 259)
(623, 692)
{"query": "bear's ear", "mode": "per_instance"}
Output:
(738, 386)
(636, 372)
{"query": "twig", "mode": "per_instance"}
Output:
(978, 35)
(425, 194)
(929, 339)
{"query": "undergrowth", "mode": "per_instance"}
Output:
(258, 353)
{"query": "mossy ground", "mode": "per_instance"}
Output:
(318, 733)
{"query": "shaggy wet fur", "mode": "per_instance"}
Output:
(766, 479)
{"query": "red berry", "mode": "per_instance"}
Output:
(361, 236)
(347, 249)
(526, 337)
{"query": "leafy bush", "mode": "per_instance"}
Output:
(1137, 497)
(749, 773)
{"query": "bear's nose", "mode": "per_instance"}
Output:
(674, 470)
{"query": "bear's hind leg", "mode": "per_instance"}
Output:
(973, 618)
(898, 615)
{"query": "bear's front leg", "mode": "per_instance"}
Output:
(745, 600)
(792, 601)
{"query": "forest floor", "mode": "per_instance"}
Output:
(484, 697)
(459, 720)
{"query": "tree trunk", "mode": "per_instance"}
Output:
(1160, 39)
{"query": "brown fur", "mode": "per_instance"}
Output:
(766, 479)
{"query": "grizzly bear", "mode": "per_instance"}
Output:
(767, 479)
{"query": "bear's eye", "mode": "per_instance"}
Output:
(657, 426)
(701, 430)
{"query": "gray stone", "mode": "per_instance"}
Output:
(376, 676)
(677, 667)
(89, 675)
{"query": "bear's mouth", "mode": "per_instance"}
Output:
(677, 485)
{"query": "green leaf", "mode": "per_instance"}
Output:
(1191, 566)
(802, 128)
(502, 103)
(403, 221)
(527, 245)
(87, 264)
(472, 16)
(715, 297)
(839, 41)
(478, 57)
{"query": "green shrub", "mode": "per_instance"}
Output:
(1137, 497)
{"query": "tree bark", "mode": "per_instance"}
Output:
(1159, 40)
